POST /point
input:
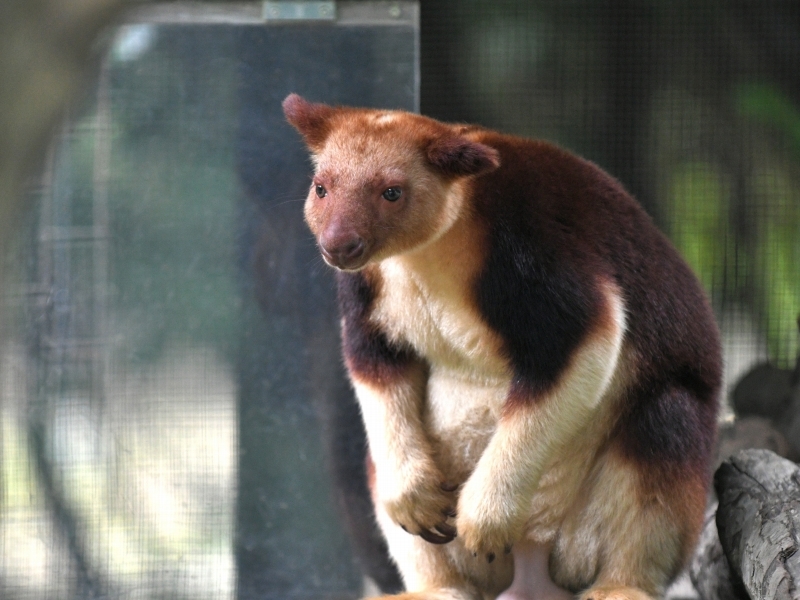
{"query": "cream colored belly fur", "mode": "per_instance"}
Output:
(460, 417)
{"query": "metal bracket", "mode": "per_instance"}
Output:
(299, 10)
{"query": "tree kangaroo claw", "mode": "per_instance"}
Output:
(434, 538)
(446, 530)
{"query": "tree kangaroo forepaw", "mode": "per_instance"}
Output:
(486, 540)
(424, 510)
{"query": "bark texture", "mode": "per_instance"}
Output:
(758, 520)
(709, 569)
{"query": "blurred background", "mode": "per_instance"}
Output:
(174, 420)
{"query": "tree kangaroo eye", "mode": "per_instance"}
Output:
(392, 194)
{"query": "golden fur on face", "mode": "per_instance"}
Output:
(355, 186)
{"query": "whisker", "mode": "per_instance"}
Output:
(317, 265)
(269, 207)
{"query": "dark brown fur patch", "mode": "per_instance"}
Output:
(368, 352)
(456, 155)
(539, 285)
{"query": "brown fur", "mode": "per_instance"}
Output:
(513, 325)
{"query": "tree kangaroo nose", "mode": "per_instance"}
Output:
(342, 249)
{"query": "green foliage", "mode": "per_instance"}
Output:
(778, 258)
(748, 253)
(776, 188)
(699, 201)
(766, 104)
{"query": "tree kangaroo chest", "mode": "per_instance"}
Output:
(468, 376)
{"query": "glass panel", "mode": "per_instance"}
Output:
(175, 419)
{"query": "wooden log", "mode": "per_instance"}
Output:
(709, 570)
(758, 520)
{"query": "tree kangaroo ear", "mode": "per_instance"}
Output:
(457, 155)
(312, 120)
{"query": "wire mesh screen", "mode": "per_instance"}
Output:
(175, 422)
